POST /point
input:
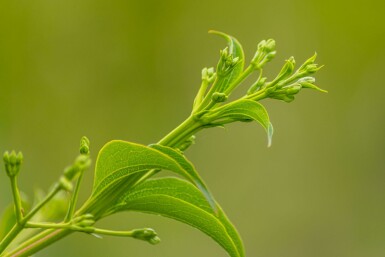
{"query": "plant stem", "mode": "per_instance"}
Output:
(74, 199)
(16, 229)
(16, 199)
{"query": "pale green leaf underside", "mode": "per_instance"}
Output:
(246, 110)
(119, 160)
(180, 200)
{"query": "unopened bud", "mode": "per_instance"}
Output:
(226, 62)
(84, 145)
(12, 162)
(294, 89)
(146, 234)
(270, 45)
(309, 61)
(286, 70)
(65, 184)
(71, 172)
(86, 223)
(219, 97)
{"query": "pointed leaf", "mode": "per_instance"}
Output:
(190, 169)
(180, 200)
(121, 164)
(243, 110)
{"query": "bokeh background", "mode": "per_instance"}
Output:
(130, 70)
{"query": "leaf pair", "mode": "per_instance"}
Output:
(121, 164)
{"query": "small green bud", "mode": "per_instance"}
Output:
(70, 172)
(146, 234)
(309, 67)
(312, 68)
(226, 62)
(293, 89)
(208, 74)
(84, 145)
(86, 223)
(219, 97)
(12, 162)
(65, 184)
(270, 45)
(309, 61)
(286, 70)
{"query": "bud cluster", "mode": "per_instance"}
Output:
(226, 62)
(12, 162)
(287, 83)
(265, 53)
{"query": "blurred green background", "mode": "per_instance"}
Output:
(130, 70)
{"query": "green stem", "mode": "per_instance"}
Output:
(74, 199)
(16, 229)
(181, 133)
(16, 199)
(38, 242)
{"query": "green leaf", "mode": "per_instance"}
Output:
(180, 200)
(121, 164)
(242, 110)
(235, 52)
(190, 169)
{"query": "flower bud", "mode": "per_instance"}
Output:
(286, 70)
(208, 74)
(293, 89)
(84, 145)
(226, 62)
(219, 97)
(12, 162)
(65, 184)
(86, 223)
(270, 45)
(146, 234)
(309, 61)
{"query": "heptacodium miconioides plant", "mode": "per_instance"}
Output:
(124, 170)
